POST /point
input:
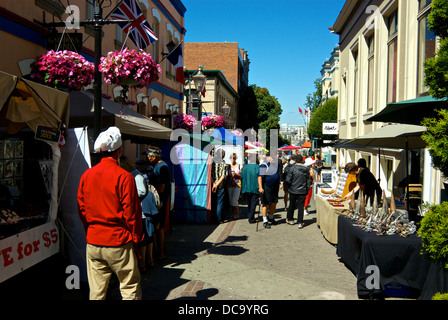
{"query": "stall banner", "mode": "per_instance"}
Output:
(25, 249)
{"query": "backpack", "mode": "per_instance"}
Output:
(152, 189)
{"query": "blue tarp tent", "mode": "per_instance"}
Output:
(227, 137)
(191, 172)
(191, 176)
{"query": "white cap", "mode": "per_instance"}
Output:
(309, 162)
(109, 140)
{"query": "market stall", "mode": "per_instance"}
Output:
(396, 260)
(327, 213)
(31, 117)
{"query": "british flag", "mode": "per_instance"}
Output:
(139, 31)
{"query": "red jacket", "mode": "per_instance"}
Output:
(109, 206)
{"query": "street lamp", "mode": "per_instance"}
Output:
(199, 80)
(225, 109)
(195, 103)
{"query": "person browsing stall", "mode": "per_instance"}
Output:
(365, 181)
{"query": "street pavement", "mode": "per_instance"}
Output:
(234, 261)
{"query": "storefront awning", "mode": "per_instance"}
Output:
(395, 136)
(410, 111)
(127, 120)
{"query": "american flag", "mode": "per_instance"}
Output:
(140, 31)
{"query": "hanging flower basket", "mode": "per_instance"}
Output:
(184, 121)
(62, 70)
(129, 68)
(213, 121)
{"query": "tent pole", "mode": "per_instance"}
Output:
(407, 176)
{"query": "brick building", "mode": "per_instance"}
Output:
(226, 67)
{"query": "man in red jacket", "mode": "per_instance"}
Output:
(110, 210)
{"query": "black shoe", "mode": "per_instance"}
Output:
(266, 225)
(272, 221)
(252, 220)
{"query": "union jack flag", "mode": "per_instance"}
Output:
(140, 31)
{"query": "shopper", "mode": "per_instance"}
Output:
(309, 164)
(161, 180)
(268, 186)
(249, 176)
(109, 208)
(126, 164)
(234, 186)
(318, 167)
(288, 162)
(298, 180)
(365, 181)
(219, 174)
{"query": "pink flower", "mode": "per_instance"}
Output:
(128, 64)
(213, 121)
(184, 121)
(62, 69)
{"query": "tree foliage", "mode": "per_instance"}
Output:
(436, 78)
(437, 140)
(327, 112)
(438, 18)
(434, 233)
(314, 99)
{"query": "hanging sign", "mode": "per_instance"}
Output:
(67, 41)
(330, 128)
(47, 134)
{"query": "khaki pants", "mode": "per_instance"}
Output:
(103, 261)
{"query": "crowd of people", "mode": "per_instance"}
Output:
(123, 206)
(259, 181)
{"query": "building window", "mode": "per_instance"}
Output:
(169, 37)
(392, 57)
(155, 26)
(355, 80)
(426, 45)
(387, 172)
(371, 74)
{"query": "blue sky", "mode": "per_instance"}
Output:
(287, 41)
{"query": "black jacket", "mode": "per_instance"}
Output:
(298, 179)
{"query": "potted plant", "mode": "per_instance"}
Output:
(62, 70)
(213, 121)
(130, 68)
(184, 121)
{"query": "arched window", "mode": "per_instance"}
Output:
(155, 25)
(169, 37)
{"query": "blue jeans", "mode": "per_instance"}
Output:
(220, 193)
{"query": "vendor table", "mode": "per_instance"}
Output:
(327, 217)
(398, 259)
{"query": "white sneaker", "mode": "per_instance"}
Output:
(305, 213)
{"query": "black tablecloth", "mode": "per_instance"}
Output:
(399, 260)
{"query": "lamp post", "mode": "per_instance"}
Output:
(198, 79)
(225, 109)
